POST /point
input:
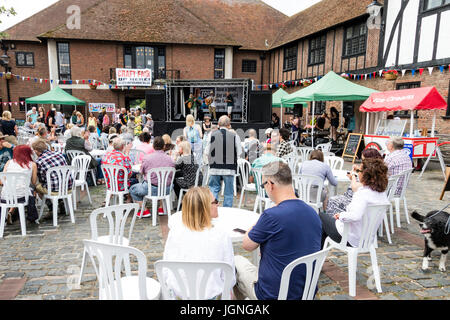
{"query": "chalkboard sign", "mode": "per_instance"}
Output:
(352, 145)
(447, 182)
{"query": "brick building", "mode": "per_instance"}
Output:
(209, 39)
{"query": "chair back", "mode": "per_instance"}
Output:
(335, 163)
(392, 187)
(110, 259)
(244, 168)
(304, 184)
(10, 182)
(163, 175)
(64, 175)
(324, 147)
(402, 182)
(294, 136)
(314, 263)
(81, 164)
(112, 174)
(135, 155)
(197, 175)
(117, 218)
(257, 173)
(192, 278)
(304, 153)
(72, 154)
(94, 141)
(104, 143)
(371, 220)
(205, 174)
(292, 160)
(57, 147)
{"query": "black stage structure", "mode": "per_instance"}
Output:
(252, 109)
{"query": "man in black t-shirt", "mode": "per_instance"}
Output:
(320, 124)
(230, 103)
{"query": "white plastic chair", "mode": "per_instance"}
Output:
(192, 278)
(370, 222)
(244, 170)
(11, 200)
(182, 191)
(72, 154)
(335, 163)
(104, 143)
(116, 217)
(62, 174)
(390, 191)
(314, 263)
(304, 153)
(292, 159)
(111, 174)
(324, 147)
(403, 179)
(81, 164)
(163, 174)
(304, 184)
(135, 154)
(57, 147)
(261, 196)
(112, 286)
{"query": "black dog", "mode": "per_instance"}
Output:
(433, 228)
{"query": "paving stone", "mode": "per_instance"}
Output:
(428, 283)
(433, 293)
(13, 275)
(388, 297)
(407, 296)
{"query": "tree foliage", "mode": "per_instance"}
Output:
(8, 12)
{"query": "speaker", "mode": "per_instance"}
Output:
(155, 102)
(260, 107)
(298, 110)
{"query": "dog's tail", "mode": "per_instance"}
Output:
(417, 216)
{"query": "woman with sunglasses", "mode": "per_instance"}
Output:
(192, 237)
(374, 180)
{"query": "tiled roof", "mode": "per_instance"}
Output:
(323, 15)
(47, 19)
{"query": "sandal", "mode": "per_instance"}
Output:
(9, 218)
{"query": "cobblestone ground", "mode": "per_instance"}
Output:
(49, 257)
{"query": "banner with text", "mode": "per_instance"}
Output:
(97, 107)
(134, 77)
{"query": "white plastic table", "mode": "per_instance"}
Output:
(229, 219)
(340, 176)
(97, 153)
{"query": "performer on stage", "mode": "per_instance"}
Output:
(193, 104)
(230, 103)
(211, 103)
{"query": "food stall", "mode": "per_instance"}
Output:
(427, 98)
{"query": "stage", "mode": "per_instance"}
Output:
(251, 109)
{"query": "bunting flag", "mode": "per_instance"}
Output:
(441, 69)
(430, 70)
(420, 71)
(413, 71)
(403, 72)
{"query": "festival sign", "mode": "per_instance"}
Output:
(134, 77)
(97, 107)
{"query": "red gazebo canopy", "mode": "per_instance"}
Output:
(426, 98)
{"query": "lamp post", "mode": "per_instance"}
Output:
(4, 61)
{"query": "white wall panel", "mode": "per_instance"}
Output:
(408, 36)
(443, 48)
(427, 32)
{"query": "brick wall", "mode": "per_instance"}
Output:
(240, 55)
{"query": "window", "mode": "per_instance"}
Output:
(403, 86)
(63, 60)
(319, 108)
(355, 38)
(249, 66)
(219, 63)
(25, 59)
(317, 50)
(290, 58)
(145, 57)
(431, 4)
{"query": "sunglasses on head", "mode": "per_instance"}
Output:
(215, 201)
(264, 183)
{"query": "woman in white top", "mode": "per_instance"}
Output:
(192, 237)
(374, 180)
(22, 163)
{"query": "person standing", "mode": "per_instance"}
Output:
(223, 151)
(230, 103)
(211, 103)
(289, 230)
(193, 134)
(9, 128)
(334, 121)
(60, 121)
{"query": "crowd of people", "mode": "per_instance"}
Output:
(287, 230)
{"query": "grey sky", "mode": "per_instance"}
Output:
(26, 8)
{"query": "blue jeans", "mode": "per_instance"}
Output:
(138, 191)
(215, 186)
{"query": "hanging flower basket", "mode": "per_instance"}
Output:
(93, 86)
(306, 83)
(390, 75)
(8, 75)
(112, 81)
